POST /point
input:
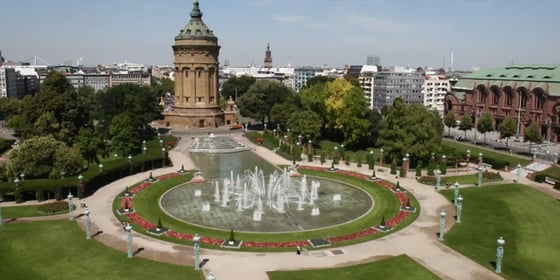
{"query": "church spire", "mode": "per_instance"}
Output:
(268, 57)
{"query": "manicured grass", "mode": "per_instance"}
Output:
(487, 152)
(553, 172)
(59, 250)
(526, 218)
(25, 211)
(399, 267)
(471, 179)
(386, 203)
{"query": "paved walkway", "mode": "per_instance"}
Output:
(419, 240)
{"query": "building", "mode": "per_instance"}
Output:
(373, 60)
(17, 81)
(401, 83)
(367, 83)
(435, 89)
(196, 102)
(527, 93)
(268, 58)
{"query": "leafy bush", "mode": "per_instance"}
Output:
(53, 207)
(557, 185)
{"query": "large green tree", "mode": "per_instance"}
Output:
(532, 135)
(42, 157)
(261, 97)
(412, 129)
(317, 80)
(236, 87)
(282, 112)
(307, 124)
(450, 121)
(507, 128)
(58, 110)
(485, 124)
(141, 102)
(466, 124)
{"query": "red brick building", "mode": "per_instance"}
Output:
(527, 93)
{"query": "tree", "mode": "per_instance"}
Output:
(507, 129)
(307, 124)
(236, 87)
(532, 134)
(450, 121)
(261, 97)
(90, 142)
(412, 129)
(281, 113)
(42, 157)
(317, 80)
(466, 124)
(140, 102)
(485, 124)
(313, 99)
(125, 138)
(162, 86)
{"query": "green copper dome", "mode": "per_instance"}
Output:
(195, 28)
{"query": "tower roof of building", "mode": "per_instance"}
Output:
(196, 28)
(546, 76)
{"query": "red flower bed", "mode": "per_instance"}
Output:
(137, 219)
(282, 244)
(352, 236)
(140, 187)
(168, 176)
(403, 198)
(399, 218)
(315, 168)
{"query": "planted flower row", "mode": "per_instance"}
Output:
(394, 221)
(126, 202)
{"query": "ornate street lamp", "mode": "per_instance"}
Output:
(456, 193)
(196, 240)
(128, 230)
(438, 180)
(130, 164)
(500, 254)
(479, 182)
(22, 176)
(381, 157)
(442, 216)
(310, 147)
(163, 150)
(70, 206)
(480, 159)
(518, 173)
(459, 208)
(88, 224)
(101, 167)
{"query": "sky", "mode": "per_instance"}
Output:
(479, 33)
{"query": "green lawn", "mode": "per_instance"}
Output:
(471, 179)
(400, 267)
(26, 211)
(526, 218)
(487, 152)
(386, 203)
(59, 250)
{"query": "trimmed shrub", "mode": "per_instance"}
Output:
(231, 236)
(394, 167)
(53, 207)
(557, 185)
(540, 178)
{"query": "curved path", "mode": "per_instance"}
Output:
(419, 240)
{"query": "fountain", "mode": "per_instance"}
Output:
(277, 195)
(337, 197)
(197, 193)
(236, 194)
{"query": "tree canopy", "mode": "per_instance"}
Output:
(466, 124)
(236, 87)
(44, 156)
(257, 103)
(413, 130)
(507, 128)
(485, 124)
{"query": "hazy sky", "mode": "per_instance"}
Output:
(481, 33)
